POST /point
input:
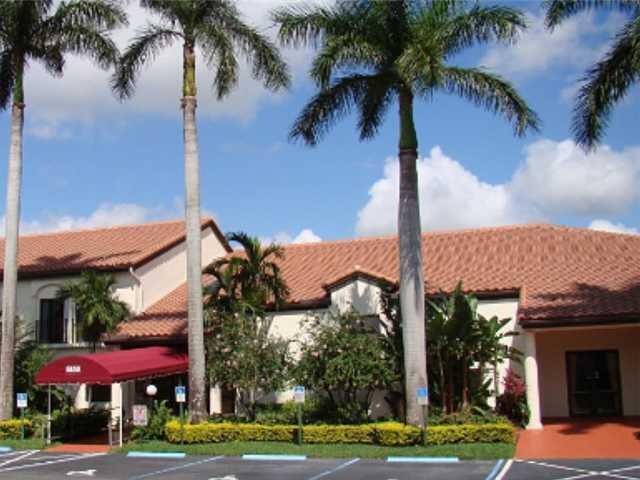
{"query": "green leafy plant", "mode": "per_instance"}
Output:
(99, 310)
(344, 358)
(512, 403)
(159, 416)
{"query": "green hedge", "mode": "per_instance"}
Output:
(11, 429)
(388, 433)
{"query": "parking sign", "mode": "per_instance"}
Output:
(21, 400)
(181, 394)
(422, 395)
(298, 394)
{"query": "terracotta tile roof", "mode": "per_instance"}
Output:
(107, 249)
(562, 275)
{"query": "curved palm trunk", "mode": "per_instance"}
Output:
(10, 274)
(197, 399)
(411, 276)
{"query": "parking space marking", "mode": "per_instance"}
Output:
(51, 462)
(177, 467)
(18, 458)
(582, 473)
(335, 469)
(503, 472)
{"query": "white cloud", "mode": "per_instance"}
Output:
(615, 227)
(450, 197)
(538, 49)
(555, 178)
(107, 214)
(83, 93)
(306, 235)
(559, 177)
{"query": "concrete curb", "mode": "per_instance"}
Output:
(156, 454)
(290, 458)
(423, 459)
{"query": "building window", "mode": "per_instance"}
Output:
(98, 393)
(52, 324)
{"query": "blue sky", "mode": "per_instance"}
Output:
(90, 161)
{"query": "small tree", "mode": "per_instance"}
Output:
(246, 358)
(346, 359)
(241, 353)
(99, 309)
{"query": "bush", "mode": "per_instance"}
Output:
(313, 411)
(160, 415)
(513, 402)
(471, 416)
(73, 424)
(387, 433)
(12, 429)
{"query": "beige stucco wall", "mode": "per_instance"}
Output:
(167, 271)
(551, 347)
(364, 297)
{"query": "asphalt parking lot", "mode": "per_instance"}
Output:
(34, 464)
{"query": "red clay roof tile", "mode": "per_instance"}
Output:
(107, 249)
(561, 274)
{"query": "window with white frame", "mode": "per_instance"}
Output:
(58, 322)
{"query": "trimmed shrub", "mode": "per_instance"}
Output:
(80, 423)
(387, 433)
(338, 434)
(11, 429)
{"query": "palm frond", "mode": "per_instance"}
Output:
(262, 55)
(378, 96)
(219, 55)
(479, 25)
(606, 84)
(307, 24)
(142, 50)
(344, 52)
(7, 78)
(328, 106)
(100, 15)
(491, 93)
(560, 10)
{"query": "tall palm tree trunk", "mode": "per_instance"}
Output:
(10, 274)
(197, 398)
(410, 251)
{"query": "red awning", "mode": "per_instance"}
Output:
(113, 367)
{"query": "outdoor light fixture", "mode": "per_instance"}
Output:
(151, 390)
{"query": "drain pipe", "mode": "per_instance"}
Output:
(138, 291)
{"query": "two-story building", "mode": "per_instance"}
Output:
(572, 294)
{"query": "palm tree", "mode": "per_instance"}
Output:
(608, 81)
(216, 27)
(99, 310)
(251, 281)
(34, 32)
(375, 52)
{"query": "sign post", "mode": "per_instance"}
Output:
(21, 401)
(422, 396)
(298, 398)
(181, 397)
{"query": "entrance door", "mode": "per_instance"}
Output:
(594, 383)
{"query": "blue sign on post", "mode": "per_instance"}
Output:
(298, 394)
(181, 394)
(422, 395)
(21, 400)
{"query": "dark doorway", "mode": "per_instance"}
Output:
(594, 383)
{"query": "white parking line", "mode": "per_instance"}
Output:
(582, 473)
(19, 457)
(335, 469)
(177, 467)
(503, 471)
(51, 462)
